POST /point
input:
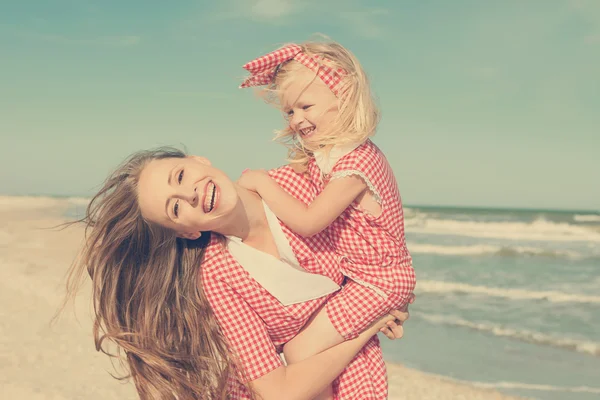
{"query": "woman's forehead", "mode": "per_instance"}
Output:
(155, 169)
(152, 186)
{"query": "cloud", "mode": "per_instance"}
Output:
(364, 22)
(592, 39)
(105, 40)
(271, 11)
(199, 94)
(589, 12)
(484, 72)
(111, 41)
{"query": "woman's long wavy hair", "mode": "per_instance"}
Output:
(358, 114)
(146, 294)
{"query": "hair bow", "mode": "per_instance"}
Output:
(263, 69)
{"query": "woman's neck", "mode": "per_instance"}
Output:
(249, 221)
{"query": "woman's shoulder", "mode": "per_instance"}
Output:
(214, 257)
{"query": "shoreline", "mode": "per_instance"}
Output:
(411, 384)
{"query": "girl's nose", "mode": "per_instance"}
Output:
(296, 120)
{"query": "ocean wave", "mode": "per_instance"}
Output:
(79, 201)
(425, 286)
(586, 218)
(482, 249)
(538, 230)
(579, 346)
(9, 203)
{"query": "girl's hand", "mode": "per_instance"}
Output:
(394, 329)
(252, 179)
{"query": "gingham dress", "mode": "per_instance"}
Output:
(257, 325)
(372, 250)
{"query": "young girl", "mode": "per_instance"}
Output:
(323, 91)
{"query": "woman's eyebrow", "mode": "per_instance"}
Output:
(167, 208)
(171, 175)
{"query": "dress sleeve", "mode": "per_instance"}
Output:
(244, 330)
(362, 163)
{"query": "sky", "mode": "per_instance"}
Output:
(490, 104)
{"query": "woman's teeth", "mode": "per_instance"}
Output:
(209, 199)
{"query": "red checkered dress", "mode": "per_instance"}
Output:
(257, 325)
(372, 250)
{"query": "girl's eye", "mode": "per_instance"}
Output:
(180, 177)
(290, 113)
(307, 107)
(176, 209)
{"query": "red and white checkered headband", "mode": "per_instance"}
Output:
(263, 69)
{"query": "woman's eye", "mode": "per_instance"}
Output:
(180, 177)
(176, 209)
(307, 107)
(290, 113)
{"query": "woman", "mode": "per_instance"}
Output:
(192, 322)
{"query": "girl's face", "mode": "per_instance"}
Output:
(309, 104)
(186, 195)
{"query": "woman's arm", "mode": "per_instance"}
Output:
(247, 335)
(319, 334)
(308, 378)
(306, 220)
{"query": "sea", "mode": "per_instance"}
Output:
(506, 299)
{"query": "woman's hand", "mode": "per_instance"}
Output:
(394, 329)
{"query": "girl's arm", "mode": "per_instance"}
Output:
(306, 220)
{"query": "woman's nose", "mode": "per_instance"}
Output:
(190, 195)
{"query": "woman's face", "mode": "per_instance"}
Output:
(186, 195)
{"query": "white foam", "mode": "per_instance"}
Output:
(12, 203)
(475, 250)
(423, 248)
(79, 201)
(580, 346)
(586, 218)
(424, 286)
(9, 203)
(539, 230)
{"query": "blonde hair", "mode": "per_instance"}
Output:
(146, 296)
(358, 114)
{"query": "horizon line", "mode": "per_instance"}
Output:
(406, 205)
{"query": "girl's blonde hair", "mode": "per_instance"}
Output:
(146, 295)
(358, 114)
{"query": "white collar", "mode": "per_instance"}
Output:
(325, 162)
(284, 278)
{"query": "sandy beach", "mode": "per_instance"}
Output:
(53, 362)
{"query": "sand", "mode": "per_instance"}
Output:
(40, 361)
